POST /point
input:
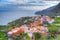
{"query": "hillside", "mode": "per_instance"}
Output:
(52, 11)
(27, 20)
(21, 21)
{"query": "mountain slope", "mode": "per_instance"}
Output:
(21, 21)
(52, 11)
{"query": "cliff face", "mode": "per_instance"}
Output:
(52, 11)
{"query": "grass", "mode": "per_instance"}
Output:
(58, 37)
(3, 36)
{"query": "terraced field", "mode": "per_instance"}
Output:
(55, 27)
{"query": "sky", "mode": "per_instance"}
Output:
(13, 9)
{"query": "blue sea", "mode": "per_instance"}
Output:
(10, 13)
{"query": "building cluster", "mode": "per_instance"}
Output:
(39, 24)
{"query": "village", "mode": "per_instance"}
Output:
(39, 24)
(39, 29)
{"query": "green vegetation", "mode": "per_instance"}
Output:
(21, 21)
(3, 36)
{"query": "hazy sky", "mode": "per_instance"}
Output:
(13, 9)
